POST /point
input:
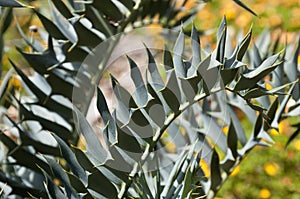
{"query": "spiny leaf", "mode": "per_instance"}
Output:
(209, 76)
(259, 91)
(291, 69)
(55, 126)
(122, 112)
(178, 56)
(63, 24)
(27, 140)
(95, 149)
(140, 93)
(196, 53)
(222, 32)
(243, 45)
(108, 120)
(187, 183)
(51, 28)
(249, 79)
(127, 141)
(23, 157)
(44, 99)
(86, 36)
(156, 80)
(40, 62)
(244, 6)
(281, 109)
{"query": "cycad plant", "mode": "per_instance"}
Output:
(178, 135)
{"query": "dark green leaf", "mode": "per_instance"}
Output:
(86, 37)
(127, 141)
(51, 28)
(167, 56)
(243, 45)
(40, 62)
(109, 9)
(63, 177)
(187, 183)
(215, 175)
(232, 140)
(71, 160)
(99, 183)
(258, 125)
(155, 107)
(281, 109)
(6, 19)
(53, 191)
(44, 99)
(172, 93)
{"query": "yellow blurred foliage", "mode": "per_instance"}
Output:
(14, 81)
(243, 20)
(205, 167)
(297, 144)
(235, 171)
(284, 127)
(225, 130)
(264, 193)
(171, 147)
(275, 20)
(271, 168)
(273, 132)
(56, 181)
(268, 86)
